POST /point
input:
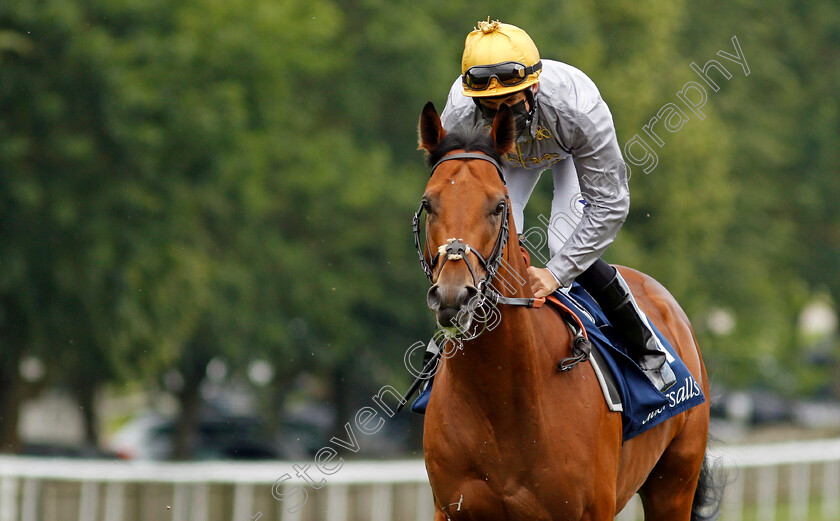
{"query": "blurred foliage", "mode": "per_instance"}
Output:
(187, 180)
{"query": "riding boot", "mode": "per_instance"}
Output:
(633, 329)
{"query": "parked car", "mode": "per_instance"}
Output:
(151, 437)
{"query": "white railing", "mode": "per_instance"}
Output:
(792, 481)
(786, 481)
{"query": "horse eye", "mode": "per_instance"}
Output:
(424, 204)
(500, 208)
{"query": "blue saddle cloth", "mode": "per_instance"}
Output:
(644, 406)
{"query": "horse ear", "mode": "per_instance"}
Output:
(503, 131)
(430, 130)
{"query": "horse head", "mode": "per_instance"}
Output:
(467, 212)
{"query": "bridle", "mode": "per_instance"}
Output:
(455, 249)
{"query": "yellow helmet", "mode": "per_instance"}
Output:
(498, 59)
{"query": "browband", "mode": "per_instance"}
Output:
(471, 155)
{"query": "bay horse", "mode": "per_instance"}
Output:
(507, 436)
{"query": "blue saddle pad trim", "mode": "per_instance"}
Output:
(422, 401)
(644, 406)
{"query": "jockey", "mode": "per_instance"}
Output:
(564, 126)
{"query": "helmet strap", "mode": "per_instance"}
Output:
(532, 103)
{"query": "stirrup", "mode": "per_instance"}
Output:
(662, 378)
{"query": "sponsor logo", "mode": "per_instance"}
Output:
(689, 390)
(653, 414)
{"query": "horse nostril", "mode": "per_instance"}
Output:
(433, 298)
(465, 295)
(472, 292)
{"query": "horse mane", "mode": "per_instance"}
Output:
(471, 141)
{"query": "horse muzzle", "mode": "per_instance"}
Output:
(452, 305)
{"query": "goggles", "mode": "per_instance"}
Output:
(507, 74)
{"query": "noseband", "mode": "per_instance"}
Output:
(456, 249)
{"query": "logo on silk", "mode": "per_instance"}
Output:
(547, 159)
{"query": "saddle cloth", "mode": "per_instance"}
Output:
(626, 388)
